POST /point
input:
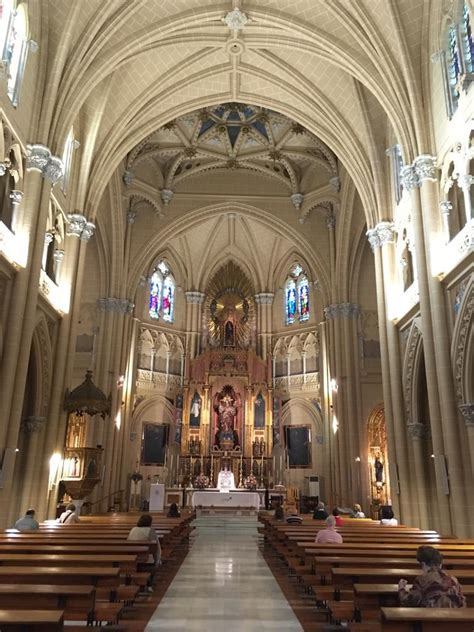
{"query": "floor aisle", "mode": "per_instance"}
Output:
(224, 584)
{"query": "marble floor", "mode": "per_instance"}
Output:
(224, 584)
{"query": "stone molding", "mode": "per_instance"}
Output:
(128, 177)
(341, 310)
(467, 411)
(195, 297)
(236, 20)
(166, 196)
(78, 226)
(131, 217)
(32, 424)
(335, 183)
(383, 233)
(297, 200)
(39, 158)
(416, 431)
(264, 298)
(330, 221)
(115, 305)
(423, 168)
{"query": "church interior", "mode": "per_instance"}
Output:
(237, 253)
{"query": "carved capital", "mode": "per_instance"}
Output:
(195, 297)
(131, 217)
(39, 158)
(465, 181)
(264, 298)
(341, 310)
(416, 431)
(32, 424)
(58, 255)
(297, 200)
(54, 169)
(128, 177)
(87, 231)
(16, 197)
(425, 168)
(467, 411)
(236, 20)
(331, 221)
(48, 238)
(445, 207)
(409, 177)
(78, 226)
(383, 233)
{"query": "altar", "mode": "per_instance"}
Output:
(233, 500)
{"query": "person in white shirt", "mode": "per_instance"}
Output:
(144, 531)
(69, 516)
(357, 511)
(28, 522)
(387, 519)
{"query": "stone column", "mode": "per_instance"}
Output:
(32, 428)
(264, 302)
(446, 208)
(16, 197)
(465, 182)
(194, 301)
(420, 178)
(417, 434)
(381, 239)
(467, 411)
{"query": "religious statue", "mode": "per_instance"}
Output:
(226, 406)
(227, 412)
(229, 334)
(195, 414)
(225, 480)
(378, 470)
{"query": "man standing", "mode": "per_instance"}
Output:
(28, 523)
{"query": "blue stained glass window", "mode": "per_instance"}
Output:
(303, 299)
(155, 295)
(290, 302)
(468, 40)
(454, 63)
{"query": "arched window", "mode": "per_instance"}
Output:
(69, 146)
(296, 295)
(467, 40)
(6, 18)
(454, 66)
(15, 53)
(162, 293)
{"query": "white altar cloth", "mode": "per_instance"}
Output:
(249, 500)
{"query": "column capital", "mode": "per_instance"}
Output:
(425, 168)
(409, 177)
(39, 158)
(78, 226)
(297, 200)
(465, 181)
(383, 233)
(195, 297)
(416, 431)
(264, 298)
(467, 411)
(48, 238)
(32, 424)
(58, 255)
(16, 196)
(445, 207)
(115, 305)
(341, 310)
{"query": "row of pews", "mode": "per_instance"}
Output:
(87, 573)
(356, 583)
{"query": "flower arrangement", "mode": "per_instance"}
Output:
(250, 482)
(201, 482)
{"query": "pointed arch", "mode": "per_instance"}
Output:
(411, 373)
(462, 347)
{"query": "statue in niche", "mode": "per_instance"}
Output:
(229, 334)
(225, 406)
(259, 412)
(195, 413)
(406, 262)
(378, 470)
(226, 412)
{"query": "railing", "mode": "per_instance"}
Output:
(117, 504)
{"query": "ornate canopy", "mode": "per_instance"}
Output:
(87, 399)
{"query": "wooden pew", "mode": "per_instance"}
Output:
(343, 577)
(427, 619)
(78, 602)
(124, 562)
(370, 598)
(31, 620)
(78, 575)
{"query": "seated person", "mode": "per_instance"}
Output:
(387, 517)
(144, 531)
(279, 513)
(337, 517)
(28, 522)
(434, 588)
(357, 511)
(69, 516)
(173, 511)
(293, 518)
(320, 513)
(329, 535)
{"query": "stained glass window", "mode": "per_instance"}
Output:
(6, 15)
(296, 295)
(454, 64)
(162, 293)
(15, 53)
(467, 40)
(303, 298)
(290, 301)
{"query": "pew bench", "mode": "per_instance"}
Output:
(427, 619)
(31, 620)
(78, 602)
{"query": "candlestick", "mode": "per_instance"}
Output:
(211, 482)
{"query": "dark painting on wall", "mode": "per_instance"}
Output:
(298, 445)
(154, 442)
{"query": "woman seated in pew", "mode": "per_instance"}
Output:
(387, 518)
(357, 511)
(329, 535)
(337, 517)
(434, 588)
(144, 531)
(320, 512)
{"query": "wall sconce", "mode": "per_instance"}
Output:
(333, 385)
(357, 459)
